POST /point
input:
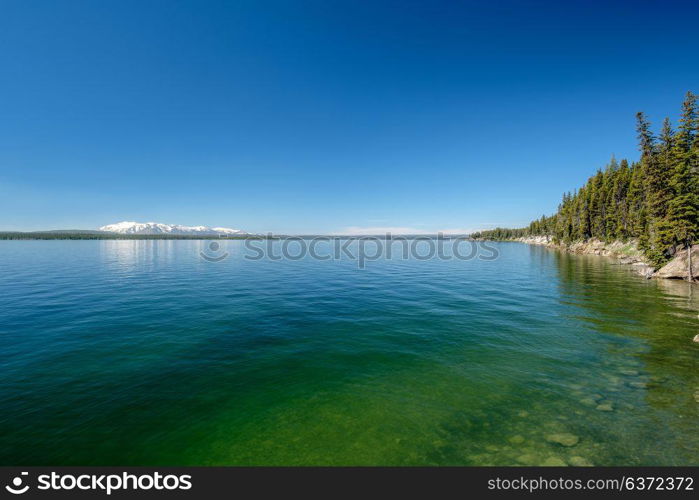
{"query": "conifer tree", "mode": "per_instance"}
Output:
(683, 209)
(659, 196)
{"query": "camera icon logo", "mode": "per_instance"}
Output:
(16, 487)
(213, 252)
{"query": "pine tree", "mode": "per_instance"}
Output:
(610, 202)
(683, 210)
(636, 204)
(660, 195)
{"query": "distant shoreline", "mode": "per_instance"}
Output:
(99, 235)
(102, 235)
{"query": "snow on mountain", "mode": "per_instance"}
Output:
(158, 228)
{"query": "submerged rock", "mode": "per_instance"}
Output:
(578, 461)
(605, 407)
(563, 438)
(554, 462)
(516, 439)
(527, 459)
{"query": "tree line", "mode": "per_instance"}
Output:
(654, 200)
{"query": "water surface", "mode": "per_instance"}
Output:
(140, 352)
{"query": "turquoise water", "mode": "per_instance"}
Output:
(140, 352)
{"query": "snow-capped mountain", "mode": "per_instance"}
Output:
(158, 228)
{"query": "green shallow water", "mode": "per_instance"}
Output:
(140, 352)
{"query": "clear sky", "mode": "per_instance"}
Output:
(325, 116)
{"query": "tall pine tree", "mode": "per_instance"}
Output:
(683, 210)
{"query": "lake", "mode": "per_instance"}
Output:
(145, 353)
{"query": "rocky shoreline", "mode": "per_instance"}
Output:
(627, 253)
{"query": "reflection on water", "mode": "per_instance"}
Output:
(141, 352)
(127, 256)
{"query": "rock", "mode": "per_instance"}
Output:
(563, 438)
(516, 439)
(526, 459)
(578, 461)
(677, 267)
(643, 269)
(554, 462)
(597, 397)
(605, 407)
(638, 385)
(535, 240)
(631, 373)
(696, 338)
(588, 402)
(523, 414)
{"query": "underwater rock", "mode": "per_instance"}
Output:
(605, 407)
(578, 461)
(527, 459)
(563, 438)
(554, 462)
(516, 439)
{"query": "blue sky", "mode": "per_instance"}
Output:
(325, 116)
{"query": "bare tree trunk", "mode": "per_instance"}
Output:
(689, 262)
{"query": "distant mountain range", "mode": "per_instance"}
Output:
(158, 228)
